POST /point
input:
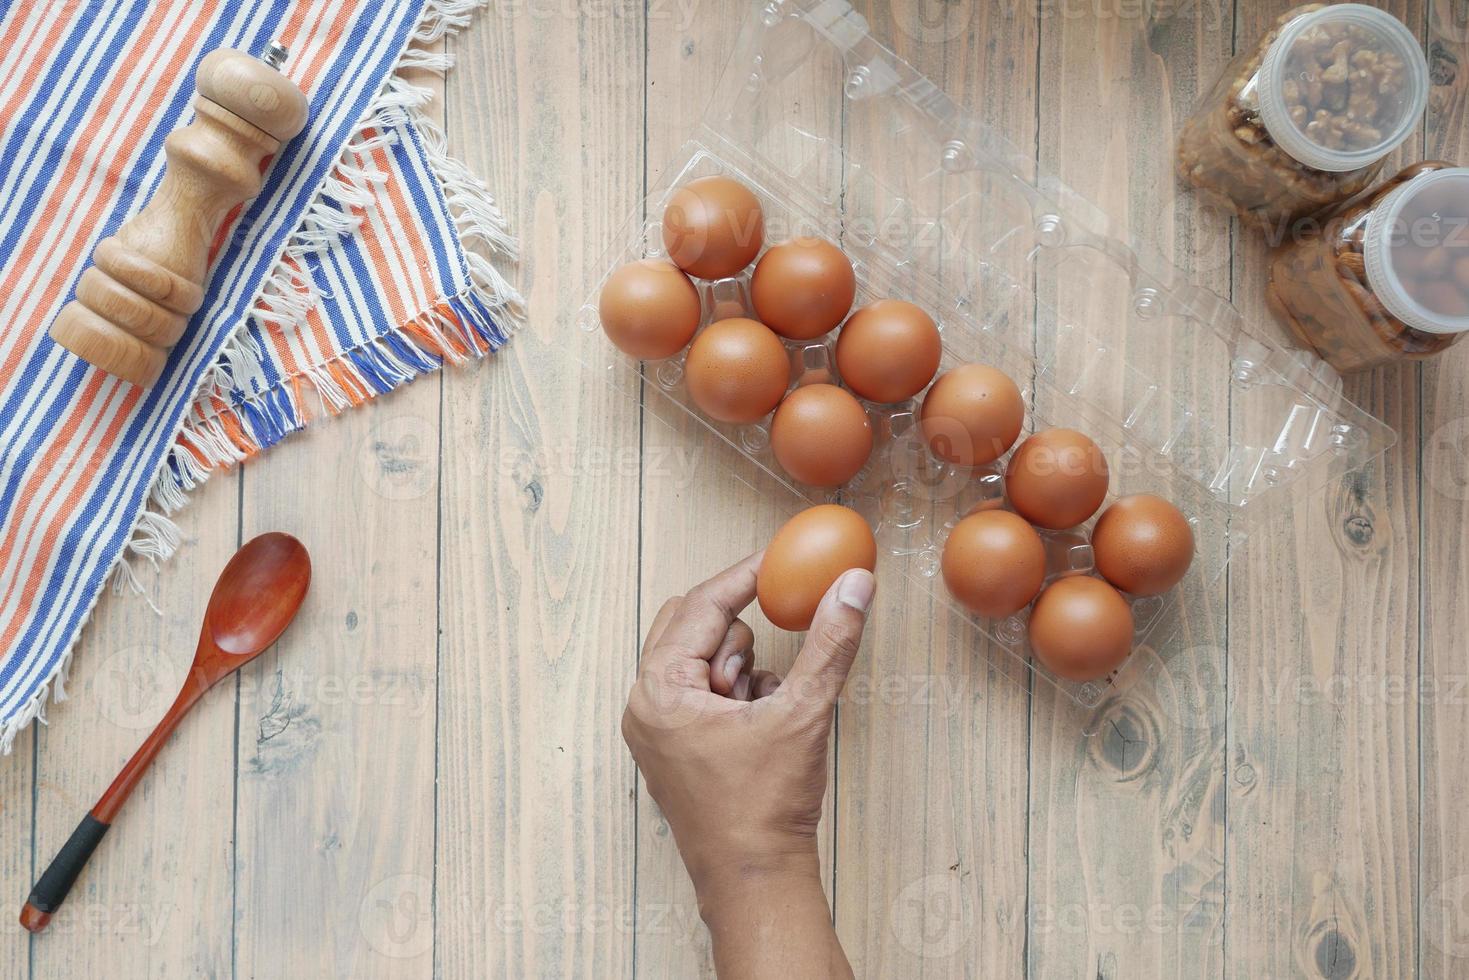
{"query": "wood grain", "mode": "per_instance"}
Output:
(687, 489)
(425, 777)
(1321, 869)
(17, 873)
(1126, 826)
(335, 787)
(1443, 486)
(538, 555)
(931, 789)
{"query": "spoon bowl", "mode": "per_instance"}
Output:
(257, 596)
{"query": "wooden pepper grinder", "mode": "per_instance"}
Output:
(135, 300)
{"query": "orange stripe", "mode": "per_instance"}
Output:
(317, 326)
(273, 329)
(387, 278)
(62, 438)
(423, 338)
(355, 392)
(71, 173)
(415, 241)
(292, 27)
(42, 52)
(402, 206)
(78, 487)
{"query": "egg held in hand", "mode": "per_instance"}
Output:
(1081, 628)
(994, 563)
(821, 435)
(713, 227)
(808, 554)
(802, 288)
(1057, 479)
(972, 415)
(737, 370)
(1142, 544)
(649, 309)
(889, 351)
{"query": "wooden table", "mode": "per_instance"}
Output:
(426, 777)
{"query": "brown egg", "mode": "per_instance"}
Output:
(713, 227)
(994, 563)
(821, 435)
(803, 288)
(1142, 544)
(1056, 479)
(649, 309)
(972, 415)
(888, 351)
(737, 370)
(1081, 628)
(805, 557)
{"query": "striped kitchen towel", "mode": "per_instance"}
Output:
(345, 277)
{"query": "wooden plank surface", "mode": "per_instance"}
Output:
(1126, 827)
(425, 777)
(1443, 487)
(684, 538)
(538, 552)
(1323, 803)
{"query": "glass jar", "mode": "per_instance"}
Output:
(1383, 277)
(1305, 118)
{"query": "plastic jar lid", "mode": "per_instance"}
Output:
(1415, 240)
(1295, 56)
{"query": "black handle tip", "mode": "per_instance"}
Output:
(51, 890)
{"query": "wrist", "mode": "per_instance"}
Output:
(740, 881)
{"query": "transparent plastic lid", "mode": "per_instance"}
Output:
(936, 207)
(1342, 87)
(1417, 251)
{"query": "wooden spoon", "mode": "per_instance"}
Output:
(253, 602)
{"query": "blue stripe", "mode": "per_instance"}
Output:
(428, 200)
(147, 419)
(75, 370)
(160, 412)
(351, 254)
(169, 117)
(34, 116)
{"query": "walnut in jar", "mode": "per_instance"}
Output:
(1383, 277)
(1305, 118)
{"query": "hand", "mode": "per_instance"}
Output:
(736, 758)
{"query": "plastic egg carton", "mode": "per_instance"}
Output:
(1019, 273)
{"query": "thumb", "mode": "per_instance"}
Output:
(821, 668)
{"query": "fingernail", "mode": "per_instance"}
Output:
(733, 666)
(741, 690)
(856, 589)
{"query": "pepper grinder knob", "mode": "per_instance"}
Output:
(135, 300)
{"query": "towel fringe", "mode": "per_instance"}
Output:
(219, 434)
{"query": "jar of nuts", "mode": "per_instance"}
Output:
(1382, 277)
(1305, 118)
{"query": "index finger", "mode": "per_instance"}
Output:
(706, 613)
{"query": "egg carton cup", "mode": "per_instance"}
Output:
(1018, 272)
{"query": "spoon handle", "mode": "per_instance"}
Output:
(50, 891)
(52, 887)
